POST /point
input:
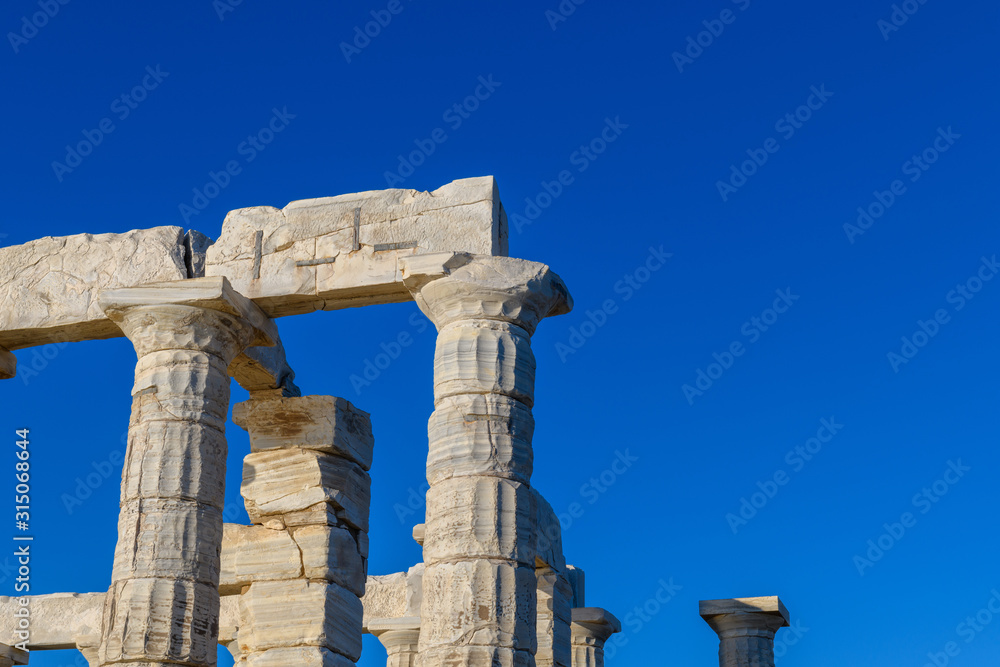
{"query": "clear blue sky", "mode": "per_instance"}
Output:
(865, 99)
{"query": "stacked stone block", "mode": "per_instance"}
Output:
(300, 569)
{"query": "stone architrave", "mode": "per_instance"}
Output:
(479, 586)
(163, 604)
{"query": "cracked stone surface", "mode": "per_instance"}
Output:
(306, 256)
(49, 287)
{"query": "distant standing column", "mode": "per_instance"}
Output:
(591, 628)
(479, 587)
(400, 637)
(163, 605)
(746, 629)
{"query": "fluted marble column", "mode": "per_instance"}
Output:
(555, 601)
(479, 587)
(590, 630)
(400, 637)
(163, 605)
(746, 629)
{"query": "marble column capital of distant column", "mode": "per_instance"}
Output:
(746, 628)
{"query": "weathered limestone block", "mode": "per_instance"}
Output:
(484, 357)
(262, 369)
(58, 620)
(553, 619)
(395, 595)
(400, 637)
(337, 252)
(480, 434)
(478, 602)
(332, 554)
(325, 423)
(284, 614)
(480, 517)
(284, 482)
(256, 553)
(49, 287)
(591, 628)
(746, 629)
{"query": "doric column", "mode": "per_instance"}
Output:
(746, 628)
(555, 599)
(400, 637)
(479, 545)
(301, 569)
(163, 604)
(590, 629)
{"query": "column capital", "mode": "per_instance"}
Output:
(176, 305)
(449, 287)
(741, 617)
(380, 626)
(593, 625)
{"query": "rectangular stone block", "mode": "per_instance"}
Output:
(478, 602)
(325, 423)
(49, 287)
(326, 253)
(58, 620)
(281, 482)
(286, 614)
(256, 553)
(332, 554)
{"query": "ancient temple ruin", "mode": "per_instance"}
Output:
(292, 588)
